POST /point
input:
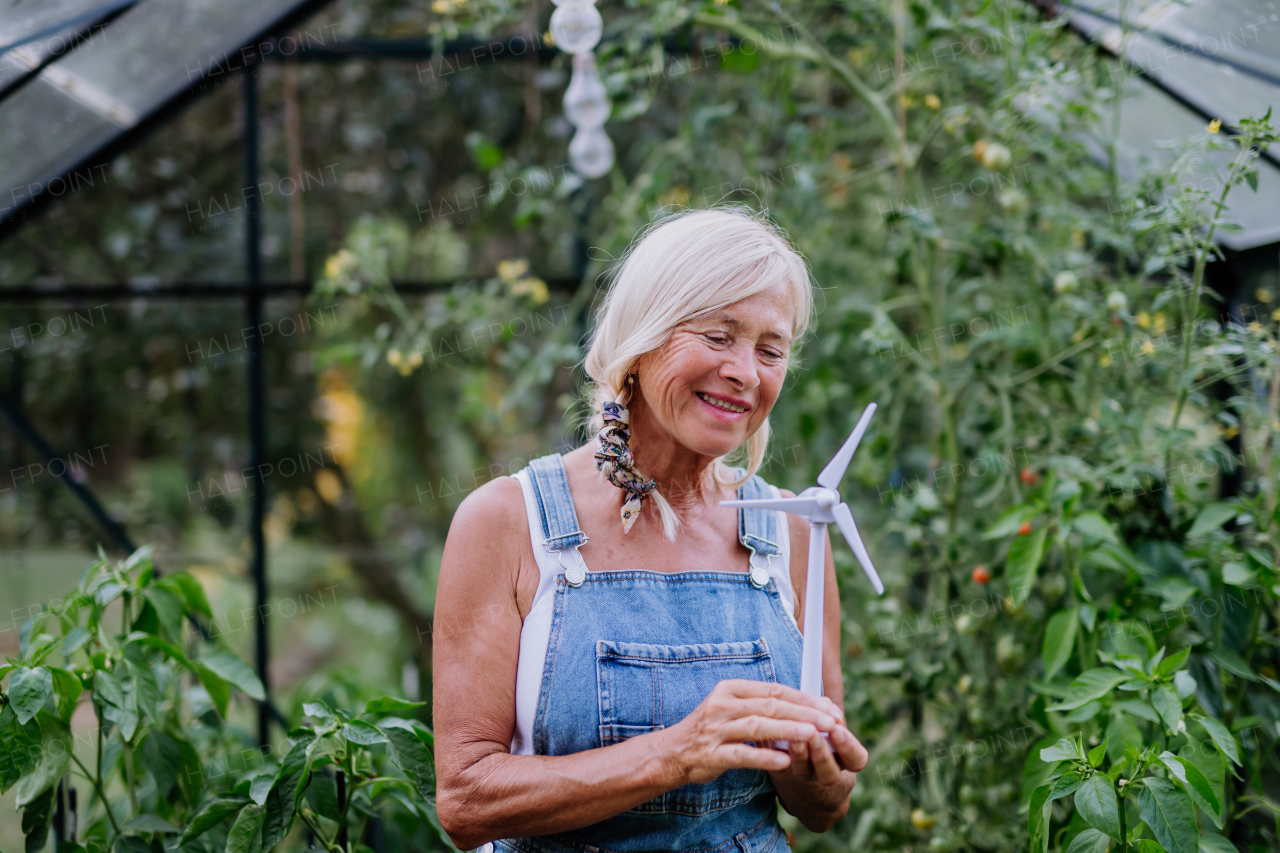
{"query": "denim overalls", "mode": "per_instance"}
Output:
(629, 652)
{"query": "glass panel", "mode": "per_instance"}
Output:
(44, 134)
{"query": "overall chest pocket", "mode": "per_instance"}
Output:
(644, 687)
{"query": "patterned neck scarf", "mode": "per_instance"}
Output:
(614, 452)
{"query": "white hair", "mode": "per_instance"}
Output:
(678, 268)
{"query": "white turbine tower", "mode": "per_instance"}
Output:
(820, 505)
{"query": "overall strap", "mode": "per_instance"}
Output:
(560, 527)
(757, 528)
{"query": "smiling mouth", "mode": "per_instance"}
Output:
(720, 404)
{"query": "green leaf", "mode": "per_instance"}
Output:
(1216, 844)
(1089, 841)
(1009, 521)
(1195, 784)
(1096, 804)
(1167, 705)
(66, 689)
(1025, 554)
(246, 833)
(322, 796)
(1067, 784)
(1232, 663)
(1138, 709)
(170, 606)
(74, 639)
(29, 689)
(1092, 524)
(130, 844)
(19, 747)
(358, 731)
(1209, 761)
(55, 757)
(1090, 685)
(107, 688)
(282, 800)
(1172, 663)
(1146, 845)
(384, 705)
(1098, 753)
(1059, 639)
(1183, 684)
(318, 710)
(1038, 819)
(1064, 750)
(410, 755)
(35, 821)
(1221, 737)
(149, 823)
(1211, 518)
(214, 812)
(164, 760)
(146, 691)
(192, 592)
(1251, 178)
(219, 690)
(236, 672)
(1169, 814)
(167, 648)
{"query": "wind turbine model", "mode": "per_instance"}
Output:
(820, 505)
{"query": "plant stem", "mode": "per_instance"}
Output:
(102, 795)
(128, 777)
(1124, 832)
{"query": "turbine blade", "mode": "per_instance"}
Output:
(799, 506)
(834, 472)
(844, 520)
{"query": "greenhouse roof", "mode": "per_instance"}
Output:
(78, 76)
(1197, 61)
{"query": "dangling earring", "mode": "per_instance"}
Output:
(615, 452)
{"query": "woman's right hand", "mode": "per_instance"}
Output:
(711, 739)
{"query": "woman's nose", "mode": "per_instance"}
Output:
(740, 367)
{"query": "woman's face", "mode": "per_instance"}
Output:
(712, 385)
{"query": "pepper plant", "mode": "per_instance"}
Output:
(159, 761)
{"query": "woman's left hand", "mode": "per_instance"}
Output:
(816, 761)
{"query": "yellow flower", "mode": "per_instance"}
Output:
(509, 271)
(1077, 239)
(532, 286)
(548, 40)
(1144, 319)
(1160, 323)
(931, 101)
(415, 359)
(441, 7)
(677, 195)
(1148, 348)
(1255, 327)
(1230, 432)
(394, 357)
(1275, 315)
(1105, 361)
(979, 148)
(1215, 125)
(1077, 336)
(1264, 294)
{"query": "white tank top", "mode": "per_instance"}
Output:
(536, 631)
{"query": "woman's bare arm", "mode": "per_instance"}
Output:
(484, 792)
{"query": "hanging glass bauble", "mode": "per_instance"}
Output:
(576, 26)
(586, 103)
(591, 151)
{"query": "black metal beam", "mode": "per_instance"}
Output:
(24, 428)
(257, 396)
(206, 290)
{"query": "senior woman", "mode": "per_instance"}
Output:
(617, 656)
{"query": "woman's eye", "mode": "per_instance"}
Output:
(718, 339)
